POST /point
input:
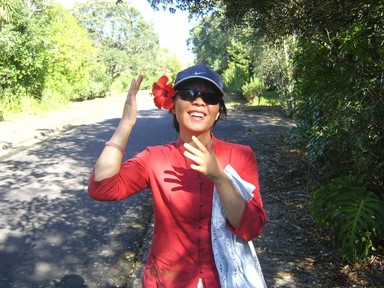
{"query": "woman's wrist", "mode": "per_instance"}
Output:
(114, 145)
(220, 178)
(126, 124)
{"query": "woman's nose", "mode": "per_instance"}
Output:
(199, 102)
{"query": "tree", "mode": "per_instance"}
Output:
(22, 65)
(225, 48)
(274, 64)
(44, 55)
(8, 10)
(209, 39)
(124, 40)
(70, 54)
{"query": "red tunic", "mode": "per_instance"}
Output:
(181, 250)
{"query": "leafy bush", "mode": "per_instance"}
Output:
(122, 83)
(339, 96)
(98, 85)
(253, 90)
(355, 213)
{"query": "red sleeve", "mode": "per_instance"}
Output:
(254, 217)
(132, 178)
(252, 221)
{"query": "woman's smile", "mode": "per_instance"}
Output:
(197, 115)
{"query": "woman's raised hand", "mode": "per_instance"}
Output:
(130, 106)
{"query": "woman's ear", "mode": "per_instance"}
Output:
(173, 111)
(217, 116)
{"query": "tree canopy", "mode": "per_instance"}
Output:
(124, 39)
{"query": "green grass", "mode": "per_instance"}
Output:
(25, 105)
(269, 98)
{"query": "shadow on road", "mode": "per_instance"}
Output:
(50, 228)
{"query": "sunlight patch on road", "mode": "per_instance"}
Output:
(283, 278)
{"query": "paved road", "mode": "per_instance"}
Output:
(51, 233)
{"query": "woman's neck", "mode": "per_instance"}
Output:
(203, 138)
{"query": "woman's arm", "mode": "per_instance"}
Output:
(109, 162)
(232, 201)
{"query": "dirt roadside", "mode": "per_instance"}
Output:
(294, 250)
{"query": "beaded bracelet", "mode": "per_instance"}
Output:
(118, 147)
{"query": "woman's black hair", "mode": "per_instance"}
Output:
(223, 108)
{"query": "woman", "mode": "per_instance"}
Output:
(183, 177)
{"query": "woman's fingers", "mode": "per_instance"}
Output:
(203, 157)
(137, 83)
(199, 150)
(135, 86)
(192, 150)
(193, 157)
(130, 107)
(205, 160)
(199, 144)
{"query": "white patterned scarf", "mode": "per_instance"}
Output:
(236, 259)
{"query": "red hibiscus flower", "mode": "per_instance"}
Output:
(163, 93)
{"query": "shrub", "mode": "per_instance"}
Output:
(97, 86)
(253, 90)
(122, 83)
(10, 100)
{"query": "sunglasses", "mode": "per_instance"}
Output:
(209, 98)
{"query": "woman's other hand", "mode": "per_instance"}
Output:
(205, 159)
(130, 107)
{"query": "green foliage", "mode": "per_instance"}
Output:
(70, 54)
(234, 78)
(209, 40)
(253, 90)
(279, 18)
(225, 48)
(340, 115)
(22, 71)
(22, 65)
(218, 43)
(10, 11)
(245, 56)
(270, 98)
(127, 45)
(355, 213)
(9, 103)
(171, 66)
(273, 62)
(44, 53)
(46, 57)
(97, 85)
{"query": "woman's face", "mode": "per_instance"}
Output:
(196, 117)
